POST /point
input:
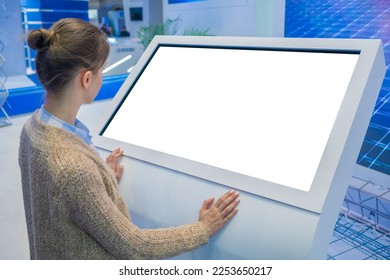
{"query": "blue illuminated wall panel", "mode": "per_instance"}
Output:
(43, 13)
(182, 1)
(352, 19)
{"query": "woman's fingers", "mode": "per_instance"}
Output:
(230, 210)
(215, 216)
(207, 204)
(226, 199)
(119, 171)
(116, 154)
(113, 161)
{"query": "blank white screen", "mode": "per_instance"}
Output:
(265, 114)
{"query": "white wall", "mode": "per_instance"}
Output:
(152, 14)
(231, 17)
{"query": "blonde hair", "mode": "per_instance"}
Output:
(67, 47)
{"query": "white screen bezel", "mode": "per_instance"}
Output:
(334, 150)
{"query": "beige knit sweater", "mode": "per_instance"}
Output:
(74, 209)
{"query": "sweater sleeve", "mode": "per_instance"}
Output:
(93, 210)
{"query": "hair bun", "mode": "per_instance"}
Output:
(40, 39)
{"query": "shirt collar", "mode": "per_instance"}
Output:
(79, 129)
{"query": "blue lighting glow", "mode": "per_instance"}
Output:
(352, 19)
(182, 1)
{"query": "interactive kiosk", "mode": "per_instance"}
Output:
(279, 119)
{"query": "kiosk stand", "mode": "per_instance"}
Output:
(279, 119)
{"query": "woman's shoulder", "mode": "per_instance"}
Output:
(37, 133)
(47, 137)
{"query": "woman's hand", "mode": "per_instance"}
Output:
(113, 161)
(215, 215)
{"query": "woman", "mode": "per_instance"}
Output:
(72, 203)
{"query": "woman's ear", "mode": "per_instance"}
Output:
(86, 78)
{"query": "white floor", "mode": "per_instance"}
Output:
(13, 232)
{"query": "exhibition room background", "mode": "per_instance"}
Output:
(352, 19)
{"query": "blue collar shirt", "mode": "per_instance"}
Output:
(79, 129)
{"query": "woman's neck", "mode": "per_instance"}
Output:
(64, 106)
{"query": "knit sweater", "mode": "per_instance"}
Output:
(74, 209)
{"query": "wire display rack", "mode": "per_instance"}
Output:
(4, 118)
(362, 230)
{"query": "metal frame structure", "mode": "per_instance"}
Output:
(362, 230)
(354, 238)
(5, 120)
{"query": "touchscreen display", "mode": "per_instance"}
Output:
(262, 113)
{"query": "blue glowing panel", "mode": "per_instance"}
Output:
(182, 1)
(352, 19)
